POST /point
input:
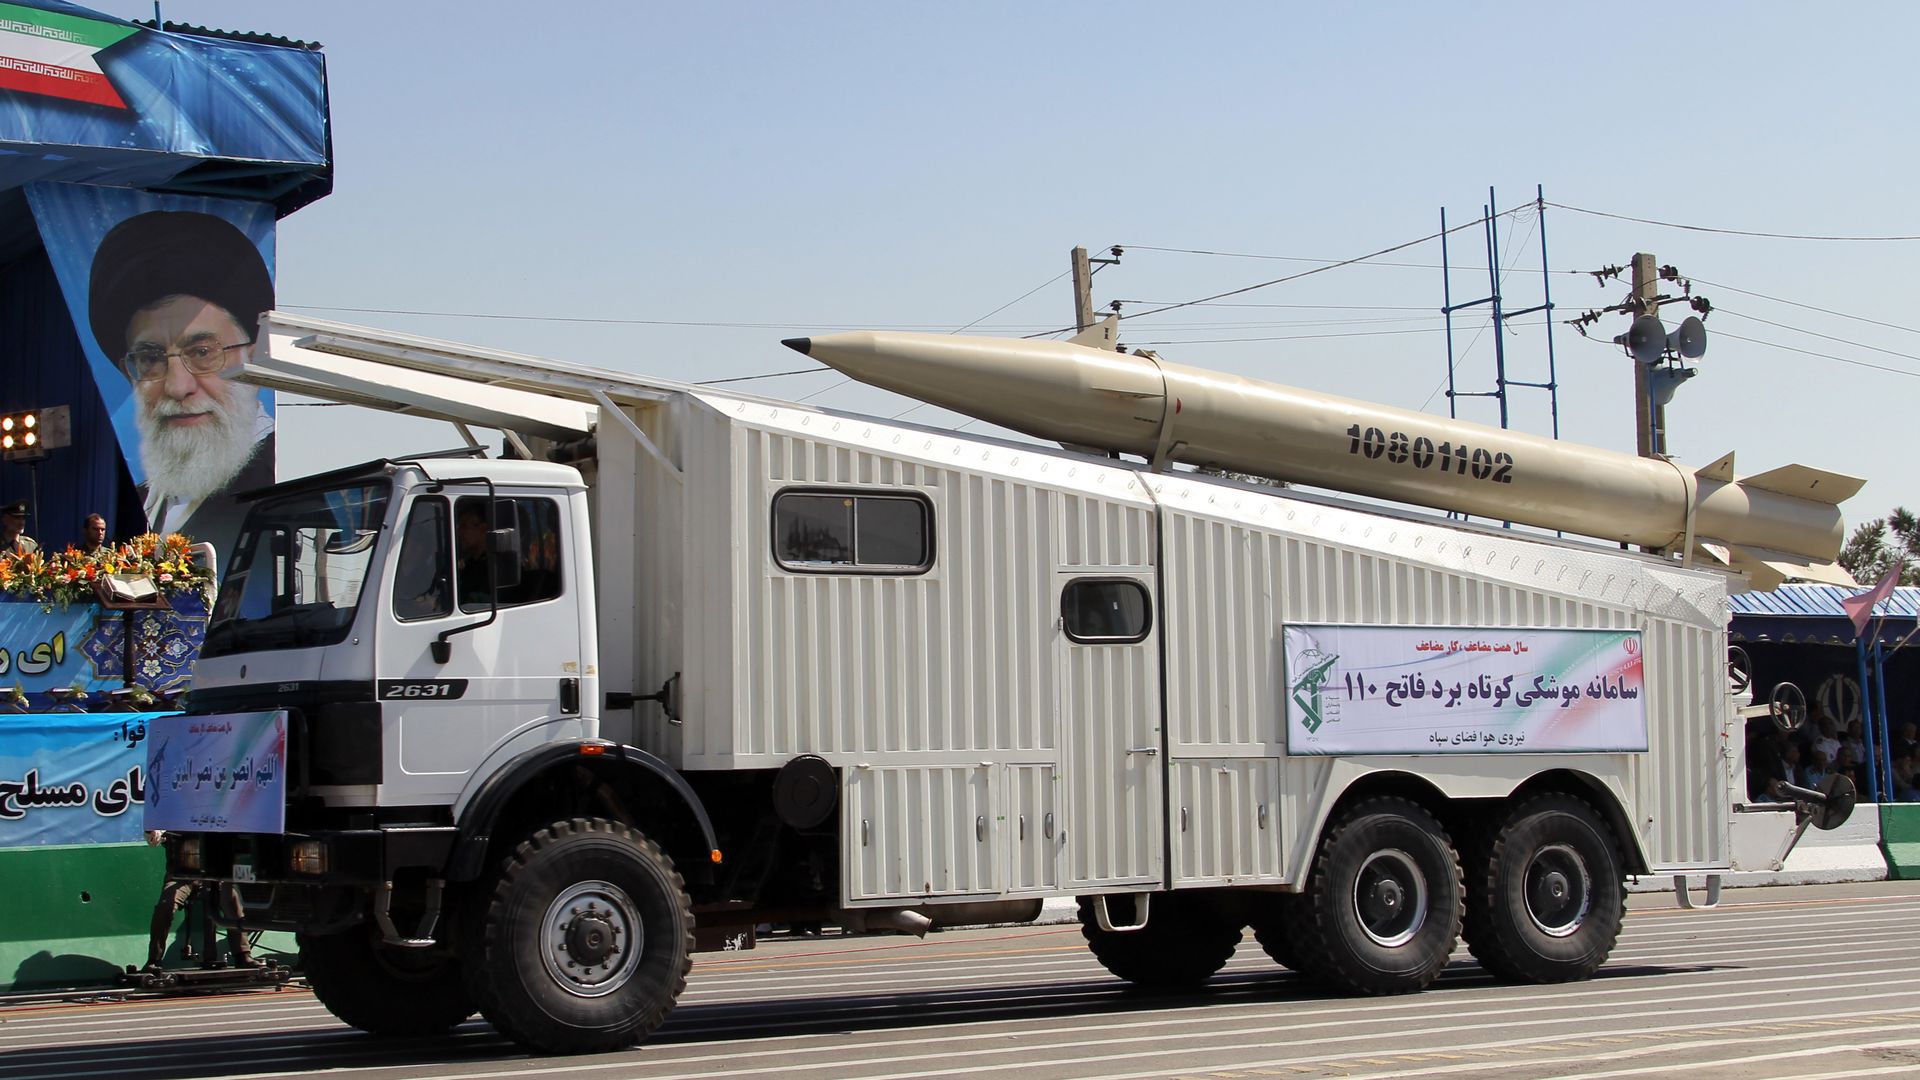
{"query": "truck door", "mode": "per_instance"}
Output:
(503, 677)
(1110, 730)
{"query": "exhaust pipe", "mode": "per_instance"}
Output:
(901, 920)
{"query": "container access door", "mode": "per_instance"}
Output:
(1109, 727)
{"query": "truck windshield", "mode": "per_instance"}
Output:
(298, 570)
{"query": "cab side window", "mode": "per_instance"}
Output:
(423, 579)
(534, 528)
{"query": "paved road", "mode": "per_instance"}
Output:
(1812, 983)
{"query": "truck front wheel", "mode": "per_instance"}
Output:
(585, 942)
(1382, 910)
(1546, 896)
(384, 989)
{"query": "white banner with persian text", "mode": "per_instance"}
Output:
(1451, 690)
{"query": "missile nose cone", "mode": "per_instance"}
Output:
(802, 345)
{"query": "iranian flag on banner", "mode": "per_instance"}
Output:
(53, 55)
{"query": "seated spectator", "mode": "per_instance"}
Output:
(1766, 767)
(1826, 738)
(1817, 768)
(1903, 741)
(1790, 766)
(1855, 740)
(1848, 766)
(1903, 789)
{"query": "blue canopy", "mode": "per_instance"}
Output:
(1811, 614)
(88, 98)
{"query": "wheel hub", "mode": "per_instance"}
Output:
(1390, 897)
(592, 938)
(1558, 889)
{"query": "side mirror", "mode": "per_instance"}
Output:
(504, 546)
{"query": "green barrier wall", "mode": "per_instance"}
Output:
(75, 917)
(1900, 839)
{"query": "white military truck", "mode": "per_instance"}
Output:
(514, 736)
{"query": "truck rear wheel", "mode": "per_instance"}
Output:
(1382, 910)
(1546, 899)
(1276, 927)
(384, 989)
(585, 942)
(1184, 942)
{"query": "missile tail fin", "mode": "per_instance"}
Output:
(1767, 569)
(1721, 470)
(1803, 482)
(1100, 335)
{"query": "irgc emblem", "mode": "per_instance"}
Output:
(1317, 667)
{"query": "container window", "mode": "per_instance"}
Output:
(826, 532)
(1106, 611)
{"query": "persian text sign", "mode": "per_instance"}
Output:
(221, 773)
(72, 778)
(1451, 690)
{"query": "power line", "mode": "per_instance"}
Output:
(1320, 269)
(1310, 307)
(1729, 232)
(700, 324)
(1821, 355)
(1322, 337)
(1718, 310)
(1015, 300)
(1809, 307)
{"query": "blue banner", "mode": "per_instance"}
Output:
(166, 292)
(44, 648)
(73, 778)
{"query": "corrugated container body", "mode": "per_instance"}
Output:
(1240, 565)
(961, 669)
(955, 660)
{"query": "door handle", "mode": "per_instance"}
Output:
(1150, 751)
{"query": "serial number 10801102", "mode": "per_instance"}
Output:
(1420, 452)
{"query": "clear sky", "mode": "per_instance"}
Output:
(671, 188)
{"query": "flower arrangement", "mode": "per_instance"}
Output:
(66, 576)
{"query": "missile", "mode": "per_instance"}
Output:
(1778, 524)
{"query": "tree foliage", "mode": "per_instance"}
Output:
(1875, 545)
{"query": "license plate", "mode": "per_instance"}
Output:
(243, 871)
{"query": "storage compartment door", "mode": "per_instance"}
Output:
(1035, 847)
(919, 831)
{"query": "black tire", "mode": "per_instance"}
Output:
(1184, 942)
(1276, 928)
(1545, 901)
(384, 989)
(555, 966)
(1382, 909)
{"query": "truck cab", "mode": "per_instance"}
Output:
(431, 615)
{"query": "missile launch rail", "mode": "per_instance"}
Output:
(520, 735)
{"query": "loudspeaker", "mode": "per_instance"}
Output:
(1690, 341)
(1662, 381)
(1646, 339)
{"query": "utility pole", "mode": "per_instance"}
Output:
(1646, 415)
(1082, 290)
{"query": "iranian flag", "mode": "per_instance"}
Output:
(55, 55)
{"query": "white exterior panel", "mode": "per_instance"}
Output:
(1239, 565)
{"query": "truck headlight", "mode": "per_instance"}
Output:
(308, 857)
(191, 853)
